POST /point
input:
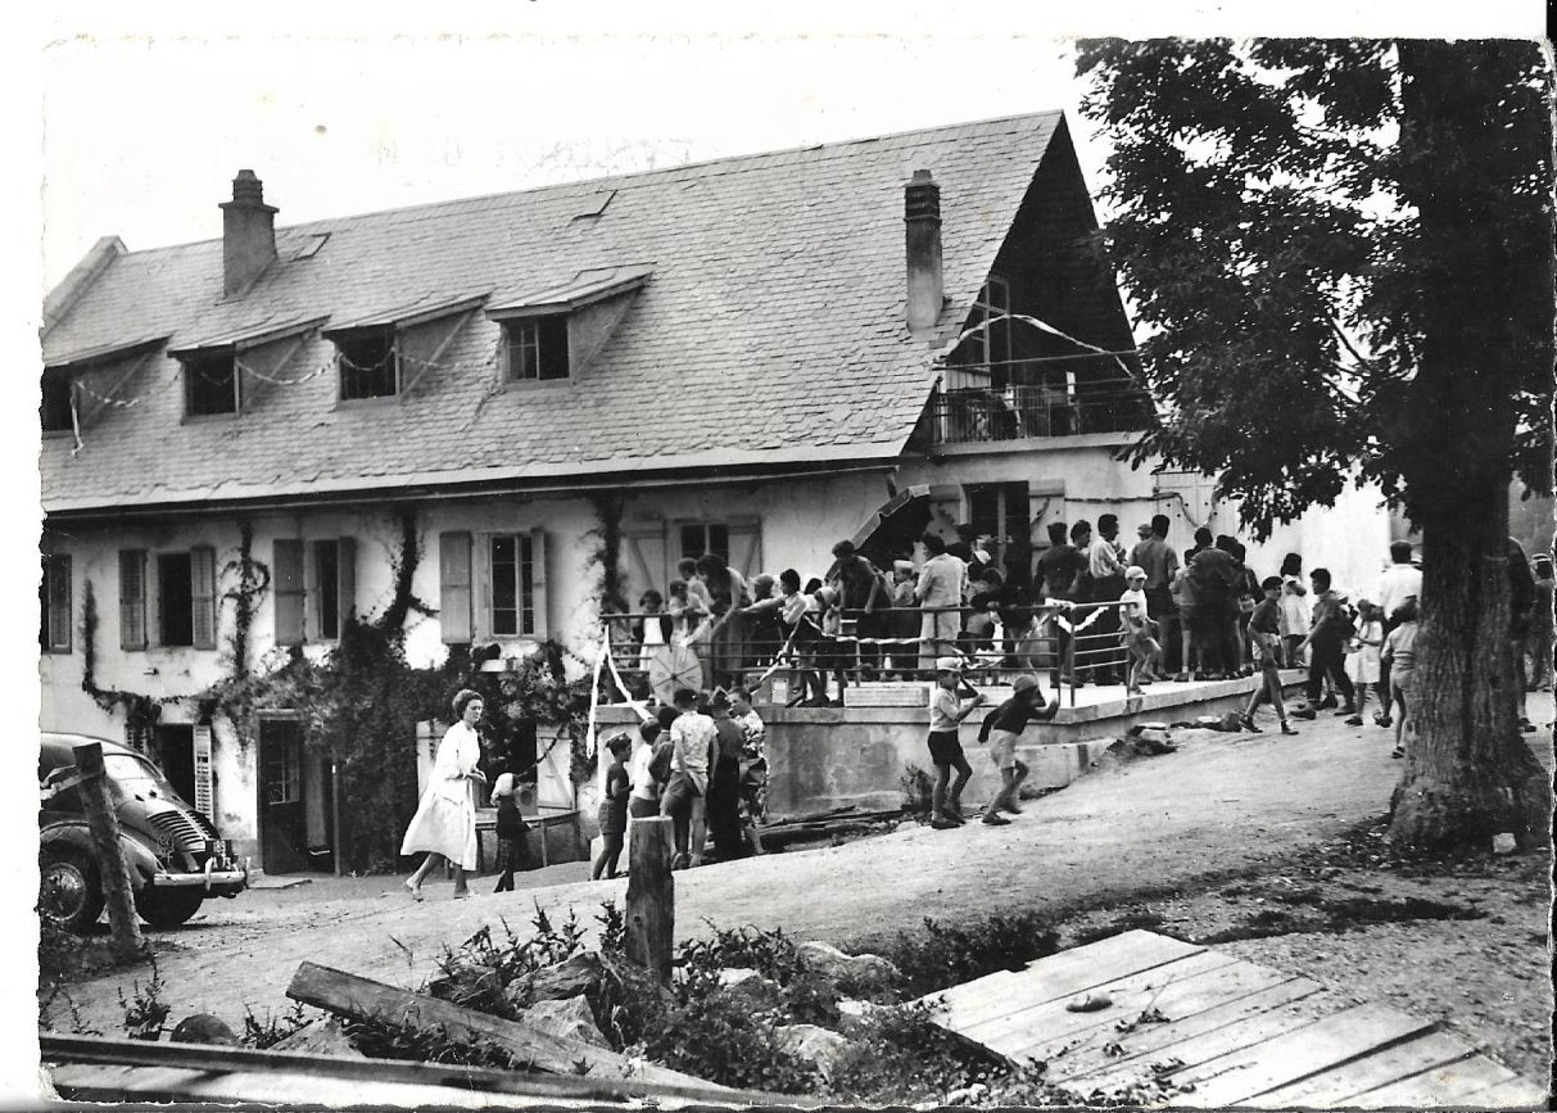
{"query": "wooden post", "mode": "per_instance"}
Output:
(113, 873)
(651, 895)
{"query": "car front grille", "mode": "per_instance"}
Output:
(182, 831)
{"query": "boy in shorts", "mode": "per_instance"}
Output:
(1136, 632)
(1002, 728)
(1265, 641)
(947, 711)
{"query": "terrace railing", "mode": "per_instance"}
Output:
(998, 403)
(1072, 645)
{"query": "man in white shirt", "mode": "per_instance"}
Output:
(692, 737)
(1401, 581)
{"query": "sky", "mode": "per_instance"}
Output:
(133, 124)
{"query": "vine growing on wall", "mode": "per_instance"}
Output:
(607, 553)
(141, 712)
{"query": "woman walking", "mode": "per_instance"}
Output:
(445, 820)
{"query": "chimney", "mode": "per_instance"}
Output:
(922, 220)
(248, 234)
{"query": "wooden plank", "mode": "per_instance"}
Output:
(1390, 1064)
(1263, 1065)
(1071, 972)
(1445, 1085)
(1516, 1093)
(1245, 1022)
(83, 1083)
(1028, 1032)
(350, 995)
(1199, 1007)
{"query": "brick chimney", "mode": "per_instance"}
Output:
(248, 233)
(922, 221)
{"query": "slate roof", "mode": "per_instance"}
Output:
(769, 331)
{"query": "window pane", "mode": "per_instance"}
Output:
(693, 542)
(212, 384)
(327, 570)
(56, 403)
(552, 337)
(505, 585)
(174, 599)
(527, 586)
(719, 541)
(368, 365)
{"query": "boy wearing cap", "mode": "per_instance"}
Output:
(1136, 632)
(947, 711)
(1003, 727)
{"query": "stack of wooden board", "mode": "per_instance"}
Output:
(1188, 1026)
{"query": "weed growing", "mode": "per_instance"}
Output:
(917, 786)
(145, 1013)
(260, 1034)
(943, 954)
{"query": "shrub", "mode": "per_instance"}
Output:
(942, 955)
(917, 787)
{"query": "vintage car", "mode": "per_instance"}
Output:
(175, 856)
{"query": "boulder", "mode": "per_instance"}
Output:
(857, 1010)
(204, 1028)
(751, 988)
(569, 1018)
(320, 1037)
(863, 971)
(819, 1046)
(582, 973)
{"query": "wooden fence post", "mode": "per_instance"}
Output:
(113, 872)
(651, 895)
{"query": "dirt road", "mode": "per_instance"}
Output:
(1224, 803)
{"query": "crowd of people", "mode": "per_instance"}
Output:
(1140, 615)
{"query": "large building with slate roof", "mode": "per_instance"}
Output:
(753, 355)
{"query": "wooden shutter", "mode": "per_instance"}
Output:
(746, 547)
(203, 783)
(202, 596)
(132, 599)
(58, 602)
(287, 575)
(946, 510)
(346, 581)
(454, 615)
(538, 596)
(645, 547)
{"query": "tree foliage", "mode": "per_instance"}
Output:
(1302, 225)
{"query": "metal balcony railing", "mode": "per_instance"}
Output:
(1070, 644)
(966, 411)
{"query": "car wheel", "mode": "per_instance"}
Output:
(168, 908)
(70, 895)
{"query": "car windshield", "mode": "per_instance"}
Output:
(130, 775)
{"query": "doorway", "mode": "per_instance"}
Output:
(283, 817)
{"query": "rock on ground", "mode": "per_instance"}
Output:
(320, 1037)
(569, 1018)
(820, 1046)
(829, 962)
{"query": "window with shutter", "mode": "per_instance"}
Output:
(175, 599)
(132, 599)
(454, 613)
(290, 590)
(515, 587)
(202, 575)
(55, 599)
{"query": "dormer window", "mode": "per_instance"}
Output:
(58, 389)
(211, 384)
(536, 349)
(369, 363)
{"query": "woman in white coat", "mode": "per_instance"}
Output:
(445, 820)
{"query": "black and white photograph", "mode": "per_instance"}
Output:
(867, 557)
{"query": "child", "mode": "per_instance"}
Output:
(1400, 652)
(613, 809)
(1265, 641)
(1362, 658)
(654, 627)
(690, 619)
(831, 656)
(697, 587)
(798, 615)
(644, 800)
(512, 844)
(754, 765)
(1003, 727)
(947, 712)
(1135, 632)
(1294, 608)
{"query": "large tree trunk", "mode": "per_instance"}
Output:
(1469, 774)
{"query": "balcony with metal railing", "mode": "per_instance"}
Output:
(1056, 396)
